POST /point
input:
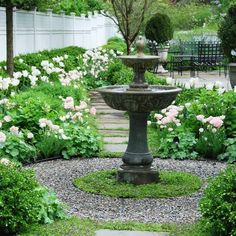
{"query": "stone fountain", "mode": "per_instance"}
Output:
(138, 99)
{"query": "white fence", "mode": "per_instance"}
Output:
(35, 31)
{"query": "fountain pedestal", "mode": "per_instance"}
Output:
(137, 167)
(139, 99)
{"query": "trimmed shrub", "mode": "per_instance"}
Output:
(227, 33)
(159, 29)
(19, 199)
(218, 205)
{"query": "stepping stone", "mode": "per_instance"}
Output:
(109, 111)
(112, 121)
(115, 139)
(112, 116)
(110, 133)
(105, 125)
(115, 147)
(106, 232)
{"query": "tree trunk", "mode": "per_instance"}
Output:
(9, 22)
(128, 46)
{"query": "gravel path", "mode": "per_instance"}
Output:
(59, 174)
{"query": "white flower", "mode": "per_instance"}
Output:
(149, 122)
(201, 130)
(233, 52)
(25, 73)
(5, 161)
(7, 118)
(170, 129)
(169, 80)
(235, 89)
(15, 82)
(209, 86)
(188, 104)
(17, 75)
(21, 60)
(194, 81)
(221, 90)
(218, 84)
(214, 130)
(187, 86)
(30, 135)
(3, 137)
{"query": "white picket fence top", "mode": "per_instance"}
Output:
(35, 31)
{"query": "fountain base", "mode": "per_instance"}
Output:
(138, 175)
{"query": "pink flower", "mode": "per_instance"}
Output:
(69, 103)
(14, 130)
(3, 137)
(217, 122)
(83, 105)
(55, 127)
(93, 111)
(165, 120)
(200, 117)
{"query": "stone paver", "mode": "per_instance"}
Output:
(114, 133)
(115, 139)
(115, 147)
(112, 124)
(106, 232)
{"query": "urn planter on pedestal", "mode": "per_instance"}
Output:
(232, 74)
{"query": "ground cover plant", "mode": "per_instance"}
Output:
(171, 184)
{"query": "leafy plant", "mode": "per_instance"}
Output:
(210, 144)
(218, 205)
(177, 145)
(20, 199)
(17, 149)
(83, 142)
(50, 146)
(230, 152)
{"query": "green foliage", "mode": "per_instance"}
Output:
(16, 149)
(84, 141)
(227, 33)
(159, 29)
(171, 184)
(230, 152)
(20, 199)
(117, 44)
(51, 208)
(177, 145)
(50, 146)
(210, 144)
(218, 205)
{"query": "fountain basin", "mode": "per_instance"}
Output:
(138, 100)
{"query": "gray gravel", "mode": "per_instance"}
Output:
(58, 175)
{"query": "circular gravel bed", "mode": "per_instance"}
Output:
(59, 175)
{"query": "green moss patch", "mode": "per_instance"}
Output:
(172, 184)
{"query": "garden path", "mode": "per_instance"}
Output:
(112, 124)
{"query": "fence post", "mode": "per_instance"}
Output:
(73, 17)
(49, 12)
(35, 30)
(63, 27)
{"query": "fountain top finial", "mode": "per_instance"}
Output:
(140, 44)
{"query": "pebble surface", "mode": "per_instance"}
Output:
(58, 175)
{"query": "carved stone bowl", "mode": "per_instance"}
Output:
(154, 98)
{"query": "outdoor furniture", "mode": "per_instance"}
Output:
(197, 56)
